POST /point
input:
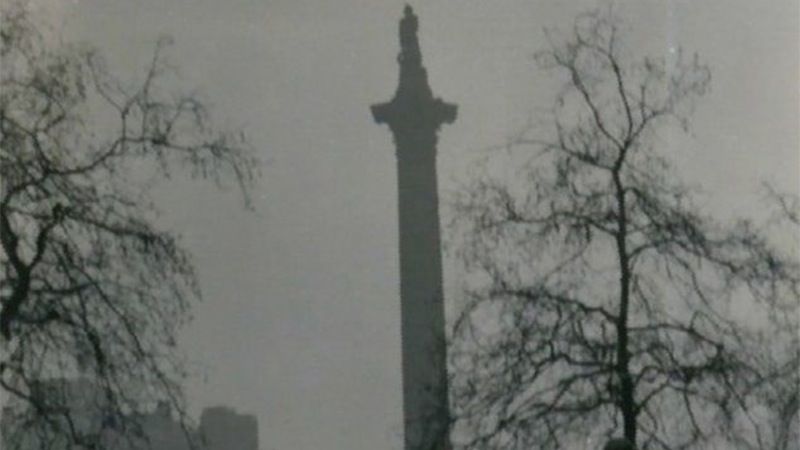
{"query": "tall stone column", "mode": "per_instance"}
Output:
(414, 117)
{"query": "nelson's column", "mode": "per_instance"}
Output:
(414, 117)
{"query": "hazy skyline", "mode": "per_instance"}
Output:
(300, 322)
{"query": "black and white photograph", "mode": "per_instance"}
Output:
(399, 225)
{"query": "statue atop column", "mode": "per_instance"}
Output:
(413, 106)
(409, 44)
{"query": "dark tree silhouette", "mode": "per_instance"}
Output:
(601, 300)
(90, 287)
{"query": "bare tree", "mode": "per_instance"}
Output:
(601, 300)
(90, 287)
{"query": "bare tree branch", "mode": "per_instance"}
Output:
(600, 298)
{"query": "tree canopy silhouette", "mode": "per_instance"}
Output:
(601, 300)
(90, 285)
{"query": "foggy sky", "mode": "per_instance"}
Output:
(300, 321)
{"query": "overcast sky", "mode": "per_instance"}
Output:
(300, 322)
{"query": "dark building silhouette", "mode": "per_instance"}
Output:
(224, 429)
(220, 428)
(619, 444)
(414, 116)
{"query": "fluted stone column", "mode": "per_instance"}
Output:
(414, 117)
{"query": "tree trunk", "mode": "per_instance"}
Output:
(626, 401)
